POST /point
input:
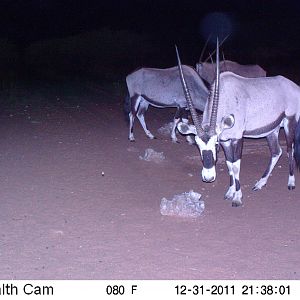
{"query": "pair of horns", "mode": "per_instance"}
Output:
(213, 97)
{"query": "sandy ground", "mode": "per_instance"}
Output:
(61, 219)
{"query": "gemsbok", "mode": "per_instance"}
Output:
(240, 107)
(207, 71)
(162, 88)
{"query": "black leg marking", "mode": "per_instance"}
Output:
(237, 185)
(290, 128)
(233, 153)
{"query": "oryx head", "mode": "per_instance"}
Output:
(206, 137)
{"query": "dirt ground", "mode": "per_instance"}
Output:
(61, 219)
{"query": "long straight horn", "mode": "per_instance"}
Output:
(211, 54)
(188, 98)
(204, 48)
(215, 104)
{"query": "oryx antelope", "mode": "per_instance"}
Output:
(161, 88)
(245, 107)
(207, 70)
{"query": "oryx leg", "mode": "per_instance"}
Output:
(289, 129)
(233, 154)
(276, 152)
(185, 119)
(135, 100)
(177, 118)
(142, 108)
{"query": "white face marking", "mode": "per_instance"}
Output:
(210, 145)
(208, 174)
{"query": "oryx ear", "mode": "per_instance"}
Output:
(186, 128)
(227, 122)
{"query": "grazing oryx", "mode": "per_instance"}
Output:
(207, 70)
(245, 107)
(162, 88)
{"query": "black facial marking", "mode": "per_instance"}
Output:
(205, 138)
(208, 159)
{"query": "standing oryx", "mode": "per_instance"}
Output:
(245, 107)
(207, 70)
(161, 88)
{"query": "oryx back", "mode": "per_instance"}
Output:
(258, 104)
(161, 87)
(207, 70)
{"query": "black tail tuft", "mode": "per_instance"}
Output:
(126, 107)
(297, 145)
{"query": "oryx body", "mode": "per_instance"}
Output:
(207, 71)
(246, 107)
(161, 88)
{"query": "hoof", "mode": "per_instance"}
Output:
(257, 188)
(236, 203)
(260, 184)
(132, 140)
(228, 198)
(152, 137)
(291, 187)
(175, 142)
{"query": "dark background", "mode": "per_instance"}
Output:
(86, 42)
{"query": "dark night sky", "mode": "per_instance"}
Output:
(255, 26)
(27, 20)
